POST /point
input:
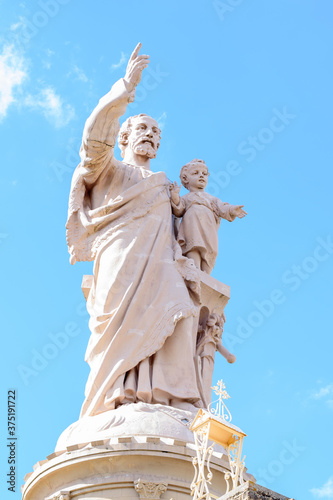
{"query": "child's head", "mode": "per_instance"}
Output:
(194, 175)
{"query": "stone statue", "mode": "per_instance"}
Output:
(156, 318)
(143, 320)
(209, 340)
(201, 215)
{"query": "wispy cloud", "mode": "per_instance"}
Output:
(78, 73)
(13, 71)
(52, 106)
(14, 75)
(326, 491)
(47, 62)
(323, 392)
(21, 23)
(122, 61)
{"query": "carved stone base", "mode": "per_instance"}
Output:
(214, 294)
(135, 419)
(137, 468)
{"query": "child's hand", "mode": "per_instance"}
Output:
(174, 193)
(236, 210)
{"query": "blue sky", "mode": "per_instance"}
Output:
(244, 85)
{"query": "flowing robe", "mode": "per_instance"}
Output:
(142, 319)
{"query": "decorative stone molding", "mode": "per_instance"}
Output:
(107, 475)
(62, 495)
(150, 490)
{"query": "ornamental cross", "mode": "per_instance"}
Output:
(220, 409)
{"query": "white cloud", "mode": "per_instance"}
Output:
(323, 391)
(78, 73)
(20, 28)
(15, 26)
(12, 74)
(52, 106)
(326, 491)
(122, 61)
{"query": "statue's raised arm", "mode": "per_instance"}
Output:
(102, 127)
(97, 158)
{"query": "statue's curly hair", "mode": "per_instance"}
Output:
(125, 131)
(184, 169)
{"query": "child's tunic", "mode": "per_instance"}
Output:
(202, 215)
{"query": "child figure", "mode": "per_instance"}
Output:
(201, 215)
(209, 340)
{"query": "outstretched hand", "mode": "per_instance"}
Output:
(135, 66)
(174, 192)
(237, 211)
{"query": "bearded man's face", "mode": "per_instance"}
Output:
(144, 139)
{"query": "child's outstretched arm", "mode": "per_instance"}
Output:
(231, 358)
(229, 212)
(237, 211)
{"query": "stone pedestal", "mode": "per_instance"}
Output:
(140, 467)
(214, 294)
(137, 451)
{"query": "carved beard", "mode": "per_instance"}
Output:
(144, 149)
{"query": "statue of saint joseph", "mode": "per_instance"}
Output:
(143, 320)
